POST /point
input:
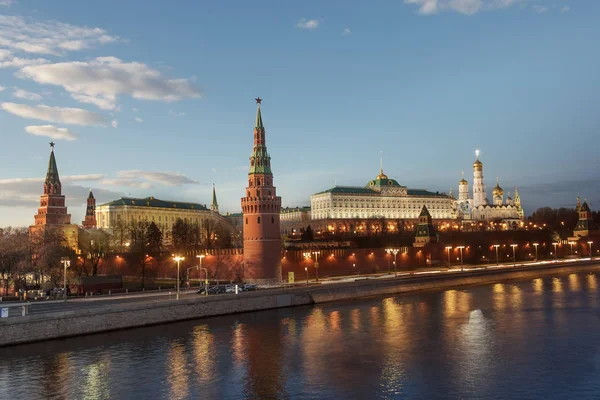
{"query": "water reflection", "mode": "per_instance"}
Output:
(527, 339)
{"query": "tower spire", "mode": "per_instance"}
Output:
(52, 183)
(260, 161)
(259, 123)
(380, 161)
(214, 205)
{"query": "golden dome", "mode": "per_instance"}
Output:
(463, 181)
(381, 175)
(477, 164)
(497, 190)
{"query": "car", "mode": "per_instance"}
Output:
(249, 287)
(230, 289)
(211, 290)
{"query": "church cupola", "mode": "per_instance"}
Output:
(498, 194)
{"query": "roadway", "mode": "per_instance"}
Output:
(53, 306)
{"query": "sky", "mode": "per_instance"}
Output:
(156, 98)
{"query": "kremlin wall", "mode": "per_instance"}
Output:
(380, 227)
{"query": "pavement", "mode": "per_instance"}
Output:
(53, 306)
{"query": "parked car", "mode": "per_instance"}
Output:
(230, 289)
(211, 290)
(249, 287)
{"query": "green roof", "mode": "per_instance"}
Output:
(294, 209)
(153, 202)
(425, 212)
(384, 182)
(366, 190)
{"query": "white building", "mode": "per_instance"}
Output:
(479, 208)
(380, 198)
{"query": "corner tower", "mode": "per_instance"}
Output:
(90, 212)
(52, 214)
(261, 208)
(214, 206)
(478, 186)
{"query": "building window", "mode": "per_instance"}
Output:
(246, 220)
(259, 220)
(272, 220)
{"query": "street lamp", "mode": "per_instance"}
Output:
(306, 271)
(200, 257)
(555, 253)
(514, 254)
(591, 254)
(394, 251)
(448, 248)
(571, 243)
(66, 264)
(461, 257)
(316, 253)
(536, 253)
(497, 261)
(178, 259)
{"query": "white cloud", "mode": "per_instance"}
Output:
(127, 182)
(51, 131)
(138, 119)
(17, 62)
(539, 9)
(48, 37)
(309, 24)
(78, 178)
(114, 123)
(177, 114)
(466, 7)
(134, 109)
(346, 32)
(165, 178)
(7, 3)
(100, 102)
(24, 94)
(2, 88)
(74, 116)
(565, 9)
(107, 77)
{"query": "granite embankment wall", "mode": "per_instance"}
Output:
(33, 328)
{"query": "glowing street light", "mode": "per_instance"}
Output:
(461, 255)
(536, 253)
(448, 248)
(200, 257)
(497, 261)
(393, 251)
(66, 264)
(514, 246)
(571, 243)
(591, 253)
(178, 259)
(306, 271)
(555, 253)
(316, 253)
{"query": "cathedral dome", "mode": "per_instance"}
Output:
(381, 175)
(477, 164)
(463, 181)
(498, 190)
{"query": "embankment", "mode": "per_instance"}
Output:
(57, 325)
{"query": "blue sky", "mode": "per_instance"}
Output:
(163, 97)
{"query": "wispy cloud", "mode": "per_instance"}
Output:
(565, 9)
(114, 123)
(139, 120)
(24, 94)
(346, 32)
(539, 9)
(51, 131)
(165, 178)
(75, 116)
(466, 7)
(309, 24)
(103, 79)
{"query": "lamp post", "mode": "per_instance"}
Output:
(316, 253)
(306, 271)
(514, 254)
(66, 264)
(394, 251)
(178, 259)
(555, 253)
(571, 243)
(536, 253)
(448, 248)
(461, 257)
(591, 254)
(497, 260)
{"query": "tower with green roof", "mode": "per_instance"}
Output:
(585, 224)
(261, 208)
(425, 230)
(214, 206)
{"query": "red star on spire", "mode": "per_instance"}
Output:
(258, 100)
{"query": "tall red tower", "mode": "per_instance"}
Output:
(261, 208)
(52, 213)
(90, 212)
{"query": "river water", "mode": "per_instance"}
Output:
(521, 340)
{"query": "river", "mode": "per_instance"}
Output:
(519, 340)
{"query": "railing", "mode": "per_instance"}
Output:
(5, 309)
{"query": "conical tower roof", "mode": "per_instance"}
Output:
(425, 212)
(214, 197)
(91, 195)
(259, 123)
(52, 176)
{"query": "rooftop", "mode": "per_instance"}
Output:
(153, 202)
(363, 190)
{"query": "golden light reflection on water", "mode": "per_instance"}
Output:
(177, 372)
(574, 283)
(238, 346)
(335, 319)
(203, 351)
(498, 296)
(55, 378)
(374, 314)
(538, 285)
(355, 317)
(516, 297)
(592, 281)
(393, 373)
(96, 384)
(557, 285)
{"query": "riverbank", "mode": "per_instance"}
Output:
(64, 324)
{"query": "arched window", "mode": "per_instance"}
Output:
(246, 220)
(259, 220)
(272, 220)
